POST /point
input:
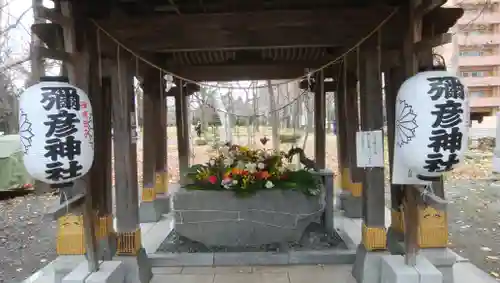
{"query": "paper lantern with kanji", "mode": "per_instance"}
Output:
(56, 130)
(432, 122)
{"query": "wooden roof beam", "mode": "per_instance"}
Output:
(246, 30)
(243, 72)
(271, 29)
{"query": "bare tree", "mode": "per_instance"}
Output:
(9, 73)
(274, 116)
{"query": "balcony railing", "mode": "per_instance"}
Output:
(481, 81)
(479, 60)
(479, 18)
(478, 39)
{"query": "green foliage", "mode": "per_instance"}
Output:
(245, 172)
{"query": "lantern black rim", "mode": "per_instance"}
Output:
(61, 79)
(428, 178)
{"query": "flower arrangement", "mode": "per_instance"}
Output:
(246, 171)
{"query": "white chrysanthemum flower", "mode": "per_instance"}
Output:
(240, 165)
(235, 182)
(251, 167)
(261, 165)
(228, 161)
(211, 162)
(269, 185)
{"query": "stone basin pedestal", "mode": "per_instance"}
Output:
(219, 218)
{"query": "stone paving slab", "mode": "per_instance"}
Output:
(156, 234)
(257, 274)
(464, 273)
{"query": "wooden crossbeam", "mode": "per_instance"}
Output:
(53, 16)
(240, 72)
(54, 54)
(428, 43)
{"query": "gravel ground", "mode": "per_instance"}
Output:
(27, 238)
(474, 222)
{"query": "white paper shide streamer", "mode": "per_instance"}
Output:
(56, 131)
(431, 129)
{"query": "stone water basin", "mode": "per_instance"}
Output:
(219, 218)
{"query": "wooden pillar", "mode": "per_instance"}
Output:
(160, 120)
(319, 120)
(394, 77)
(150, 138)
(125, 155)
(100, 173)
(181, 109)
(373, 229)
(353, 174)
(77, 233)
(351, 177)
(341, 125)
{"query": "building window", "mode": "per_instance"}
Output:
(477, 93)
(477, 29)
(470, 53)
(475, 74)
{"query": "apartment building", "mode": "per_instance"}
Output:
(474, 53)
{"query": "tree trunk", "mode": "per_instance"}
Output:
(274, 117)
(203, 118)
(249, 128)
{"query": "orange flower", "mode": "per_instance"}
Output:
(264, 175)
(236, 171)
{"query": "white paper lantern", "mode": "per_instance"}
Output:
(56, 129)
(432, 122)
